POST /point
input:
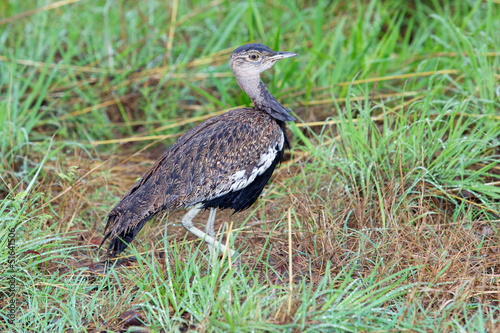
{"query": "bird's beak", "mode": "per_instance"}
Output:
(282, 55)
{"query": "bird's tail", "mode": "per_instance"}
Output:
(148, 197)
(123, 224)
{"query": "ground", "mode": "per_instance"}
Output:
(383, 215)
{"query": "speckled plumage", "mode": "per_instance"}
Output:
(224, 162)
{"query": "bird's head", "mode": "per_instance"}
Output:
(252, 59)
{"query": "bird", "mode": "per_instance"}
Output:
(224, 162)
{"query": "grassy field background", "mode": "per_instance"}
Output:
(383, 216)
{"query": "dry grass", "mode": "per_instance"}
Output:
(390, 189)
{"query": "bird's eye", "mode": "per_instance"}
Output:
(254, 56)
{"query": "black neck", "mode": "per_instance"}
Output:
(268, 103)
(263, 100)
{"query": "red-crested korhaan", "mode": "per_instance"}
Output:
(224, 162)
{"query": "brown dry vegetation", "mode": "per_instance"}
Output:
(389, 221)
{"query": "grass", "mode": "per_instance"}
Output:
(390, 194)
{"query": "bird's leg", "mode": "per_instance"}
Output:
(187, 223)
(209, 229)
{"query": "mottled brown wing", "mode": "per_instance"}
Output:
(210, 163)
(199, 166)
